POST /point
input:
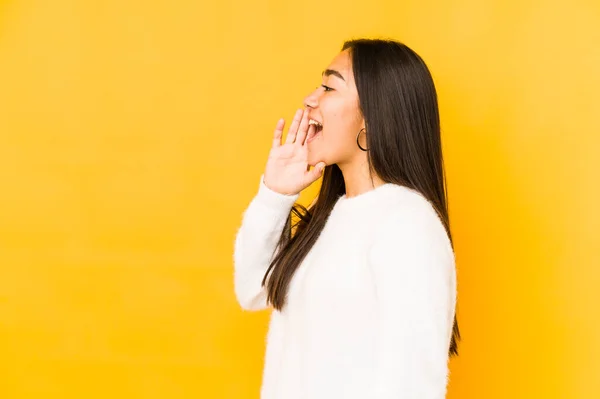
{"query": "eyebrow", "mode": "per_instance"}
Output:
(333, 72)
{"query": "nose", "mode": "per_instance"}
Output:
(312, 100)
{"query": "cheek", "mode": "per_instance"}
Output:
(345, 125)
(338, 142)
(339, 117)
(341, 125)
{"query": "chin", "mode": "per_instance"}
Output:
(314, 159)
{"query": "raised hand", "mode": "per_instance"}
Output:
(287, 170)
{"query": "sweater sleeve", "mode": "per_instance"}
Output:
(413, 268)
(255, 244)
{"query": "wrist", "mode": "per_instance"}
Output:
(274, 198)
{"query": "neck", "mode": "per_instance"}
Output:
(357, 177)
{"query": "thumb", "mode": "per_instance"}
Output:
(318, 170)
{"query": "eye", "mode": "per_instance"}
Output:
(327, 88)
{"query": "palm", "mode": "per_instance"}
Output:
(287, 167)
(288, 164)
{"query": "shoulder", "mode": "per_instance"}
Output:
(404, 202)
(409, 219)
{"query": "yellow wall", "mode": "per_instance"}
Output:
(132, 136)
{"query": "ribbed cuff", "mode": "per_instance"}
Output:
(273, 199)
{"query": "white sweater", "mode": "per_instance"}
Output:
(370, 310)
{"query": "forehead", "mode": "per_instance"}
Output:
(342, 63)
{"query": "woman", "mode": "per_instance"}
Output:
(363, 282)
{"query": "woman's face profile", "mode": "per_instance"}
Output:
(335, 105)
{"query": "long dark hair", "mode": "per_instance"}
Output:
(399, 104)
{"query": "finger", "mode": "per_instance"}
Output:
(311, 133)
(303, 130)
(301, 134)
(278, 133)
(316, 172)
(291, 135)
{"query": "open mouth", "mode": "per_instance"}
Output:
(314, 130)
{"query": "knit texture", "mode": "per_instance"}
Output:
(369, 312)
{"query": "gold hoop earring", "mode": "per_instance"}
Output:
(357, 136)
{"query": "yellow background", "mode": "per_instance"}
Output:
(132, 137)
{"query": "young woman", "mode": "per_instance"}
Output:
(363, 282)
